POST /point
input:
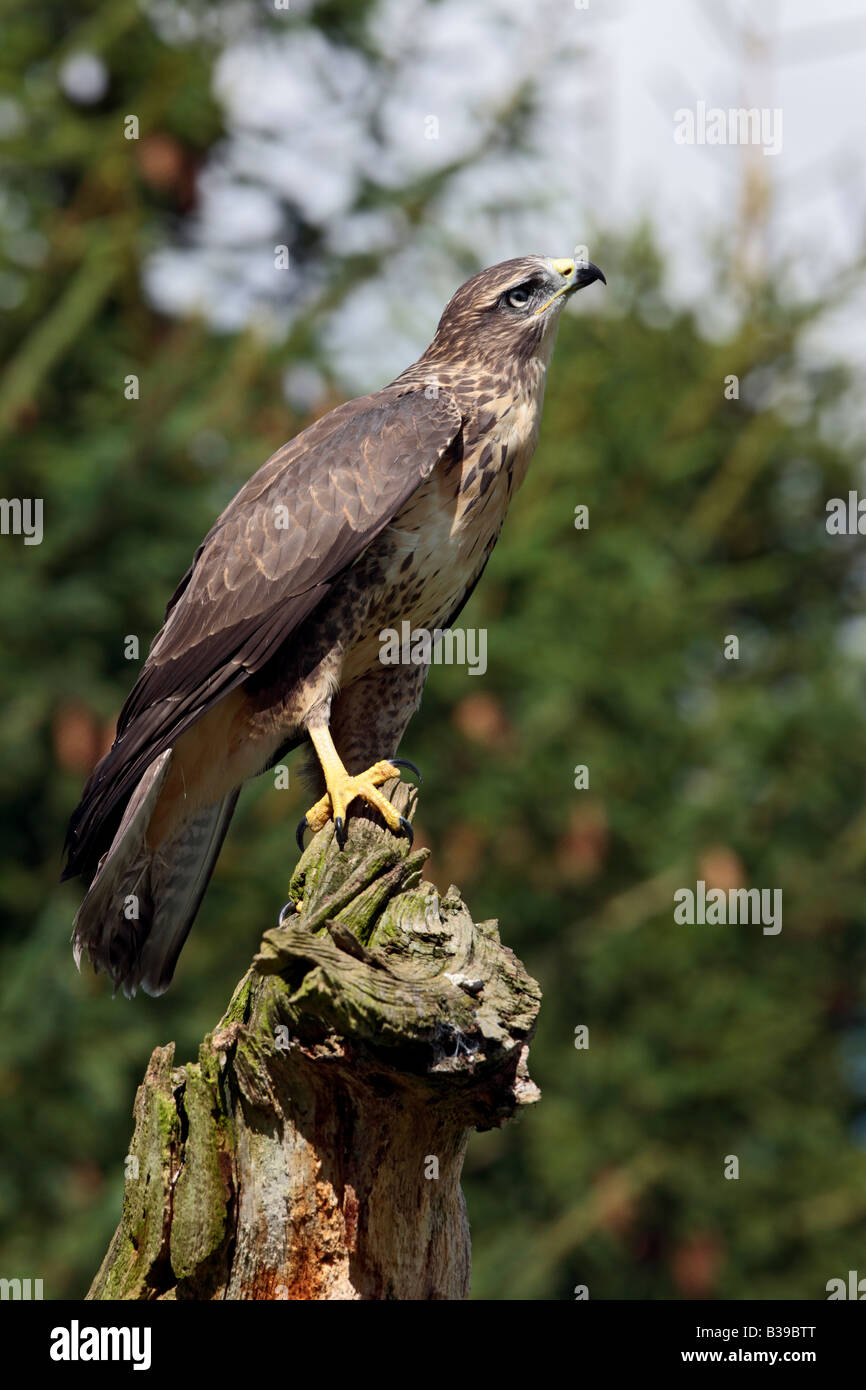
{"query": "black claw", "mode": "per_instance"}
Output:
(407, 830)
(287, 910)
(299, 833)
(404, 762)
(340, 831)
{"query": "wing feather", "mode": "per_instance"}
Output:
(270, 558)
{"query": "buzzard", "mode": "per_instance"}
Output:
(385, 510)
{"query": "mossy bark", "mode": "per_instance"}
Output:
(314, 1150)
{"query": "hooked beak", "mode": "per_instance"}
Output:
(577, 274)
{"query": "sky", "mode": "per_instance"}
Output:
(311, 125)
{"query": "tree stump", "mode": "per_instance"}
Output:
(314, 1150)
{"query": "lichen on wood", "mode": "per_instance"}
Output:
(314, 1149)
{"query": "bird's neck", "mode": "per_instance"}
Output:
(474, 384)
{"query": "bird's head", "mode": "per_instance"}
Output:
(511, 310)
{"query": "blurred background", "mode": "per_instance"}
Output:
(157, 347)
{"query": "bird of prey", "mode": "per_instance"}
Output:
(385, 510)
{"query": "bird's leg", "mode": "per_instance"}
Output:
(343, 787)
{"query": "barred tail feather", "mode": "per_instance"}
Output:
(142, 902)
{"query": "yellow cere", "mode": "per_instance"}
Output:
(565, 267)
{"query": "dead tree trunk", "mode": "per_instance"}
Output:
(314, 1150)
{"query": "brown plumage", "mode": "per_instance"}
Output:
(383, 511)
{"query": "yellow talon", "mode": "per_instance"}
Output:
(342, 789)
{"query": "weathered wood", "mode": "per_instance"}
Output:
(314, 1150)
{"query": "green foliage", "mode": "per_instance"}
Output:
(605, 648)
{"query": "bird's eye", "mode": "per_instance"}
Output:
(519, 298)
